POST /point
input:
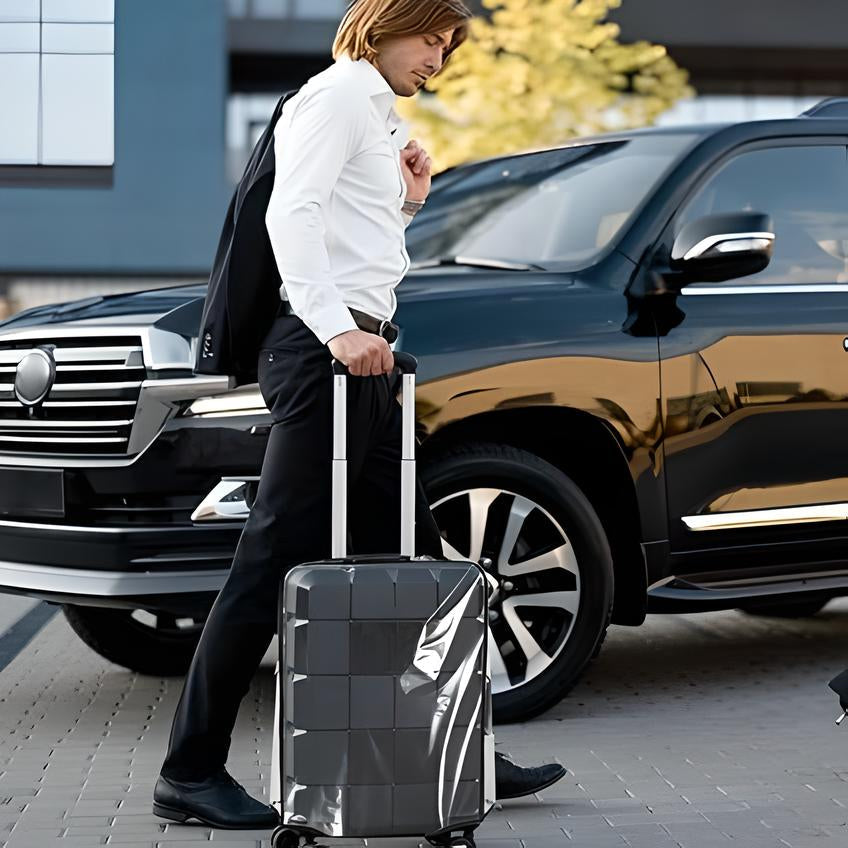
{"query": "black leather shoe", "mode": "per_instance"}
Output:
(218, 801)
(514, 781)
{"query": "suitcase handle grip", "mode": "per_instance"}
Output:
(407, 363)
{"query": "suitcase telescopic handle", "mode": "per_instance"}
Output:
(408, 366)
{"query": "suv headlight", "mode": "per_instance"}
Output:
(246, 401)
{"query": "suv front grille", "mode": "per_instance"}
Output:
(90, 408)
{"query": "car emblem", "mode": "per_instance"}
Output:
(35, 376)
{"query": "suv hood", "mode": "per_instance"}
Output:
(178, 308)
(132, 308)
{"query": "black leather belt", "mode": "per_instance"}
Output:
(387, 329)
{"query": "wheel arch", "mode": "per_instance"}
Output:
(599, 468)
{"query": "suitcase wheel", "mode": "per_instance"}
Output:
(447, 841)
(285, 837)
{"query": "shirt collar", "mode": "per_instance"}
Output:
(375, 85)
(381, 93)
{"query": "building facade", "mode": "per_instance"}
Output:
(125, 124)
(112, 145)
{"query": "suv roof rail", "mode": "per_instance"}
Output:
(830, 107)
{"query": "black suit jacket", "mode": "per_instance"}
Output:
(244, 285)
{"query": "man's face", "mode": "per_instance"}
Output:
(408, 61)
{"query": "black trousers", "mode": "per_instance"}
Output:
(290, 523)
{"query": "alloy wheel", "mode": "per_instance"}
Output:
(532, 613)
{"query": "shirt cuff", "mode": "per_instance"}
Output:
(407, 219)
(330, 322)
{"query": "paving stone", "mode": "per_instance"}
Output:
(222, 843)
(697, 731)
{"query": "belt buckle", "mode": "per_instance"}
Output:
(385, 324)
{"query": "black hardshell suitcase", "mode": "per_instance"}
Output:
(383, 725)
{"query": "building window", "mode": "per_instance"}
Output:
(306, 9)
(57, 82)
(332, 9)
(247, 117)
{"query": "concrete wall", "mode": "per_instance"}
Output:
(159, 208)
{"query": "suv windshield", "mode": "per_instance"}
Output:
(557, 207)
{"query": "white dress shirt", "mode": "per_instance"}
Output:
(334, 218)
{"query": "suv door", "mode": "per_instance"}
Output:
(755, 376)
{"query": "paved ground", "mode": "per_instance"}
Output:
(694, 731)
(12, 608)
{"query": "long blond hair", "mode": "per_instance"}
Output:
(366, 22)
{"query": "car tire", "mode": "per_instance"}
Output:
(798, 608)
(147, 643)
(465, 471)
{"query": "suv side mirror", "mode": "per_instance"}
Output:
(722, 247)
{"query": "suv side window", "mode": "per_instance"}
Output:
(805, 190)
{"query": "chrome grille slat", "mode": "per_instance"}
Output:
(64, 403)
(63, 440)
(89, 376)
(82, 424)
(94, 387)
(71, 403)
(111, 367)
(116, 367)
(118, 355)
(9, 388)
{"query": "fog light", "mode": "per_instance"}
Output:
(231, 499)
(247, 401)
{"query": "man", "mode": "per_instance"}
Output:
(346, 185)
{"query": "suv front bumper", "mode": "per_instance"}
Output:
(150, 590)
(127, 538)
(176, 569)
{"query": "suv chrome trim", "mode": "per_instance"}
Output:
(75, 528)
(59, 430)
(108, 367)
(161, 349)
(699, 249)
(86, 387)
(676, 588)
(778, 288)
(28, 423)
(66, 403)
(113, 354)
(87, 583)
(767, 517)
(65, 440)
(156, 401)
(226, 501)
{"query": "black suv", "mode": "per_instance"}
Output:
(633, 396)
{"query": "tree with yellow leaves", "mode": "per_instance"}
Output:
(536, 73)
